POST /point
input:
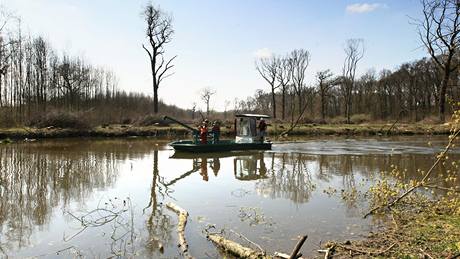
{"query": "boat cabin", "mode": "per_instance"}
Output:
(246, 127)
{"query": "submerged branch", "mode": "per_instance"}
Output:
(183, 214)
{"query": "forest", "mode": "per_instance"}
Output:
(42, 86)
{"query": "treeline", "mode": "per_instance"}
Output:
(410, 92)
(40, 85)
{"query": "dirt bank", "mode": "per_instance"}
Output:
(179, 132)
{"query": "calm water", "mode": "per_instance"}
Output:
(103, 198)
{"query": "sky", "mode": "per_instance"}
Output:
(218, 41)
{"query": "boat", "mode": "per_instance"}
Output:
(246, 137)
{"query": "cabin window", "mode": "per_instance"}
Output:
(247, 127)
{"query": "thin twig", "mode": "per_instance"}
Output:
(425, 253)
(327, 252)
(422, 182)
(251, 242)
(374, 253)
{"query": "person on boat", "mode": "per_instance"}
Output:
(204, 132)
(262, 129)
(216, 131)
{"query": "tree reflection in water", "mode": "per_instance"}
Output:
(32, 183)
(159, 225)
(37, 178)
(289, 177)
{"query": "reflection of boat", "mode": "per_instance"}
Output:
(189, 155)
(247, 165)
(248, 168)
(246, 137)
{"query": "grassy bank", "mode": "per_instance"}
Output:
(175, 131)
(417, 228)
(421, 218)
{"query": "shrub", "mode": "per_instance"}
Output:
(150, 120)
(61, 120)
(360, 118)
(338, 120)
(432, 119)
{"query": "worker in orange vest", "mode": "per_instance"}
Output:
(204, 132)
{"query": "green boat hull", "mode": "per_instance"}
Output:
(221, 146)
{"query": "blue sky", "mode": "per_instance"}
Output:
(218, 41)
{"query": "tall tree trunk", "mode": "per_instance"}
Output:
(274, 102)
(442, 95)
(323, 108)
(155, 85)
(283, 103)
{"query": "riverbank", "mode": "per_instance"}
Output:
(174, 131)
(418, 228)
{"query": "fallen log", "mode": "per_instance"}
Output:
(183, 214)
(236, 249)
(243, 252)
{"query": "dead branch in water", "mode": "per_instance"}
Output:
(297, 247)
(241, 251)
(236, 249)
(183, 214)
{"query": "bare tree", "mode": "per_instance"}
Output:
(5, 45)
(300, 59)
(324, 85)
(354, 50)
(159, 32)
(205, 95)
(439, 31)
(268, 69)
(226, 105)
(193, 110)
(284, 77)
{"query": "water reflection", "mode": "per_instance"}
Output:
(159, 225)
(37, 180)
(247, 166)
(32, 182)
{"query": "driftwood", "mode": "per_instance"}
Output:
(283, 255)
(236, 249)
(243, 252)
(183, 214)
(327, 252)
(295, 253)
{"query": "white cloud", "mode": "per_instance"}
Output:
(363, 7)
(263, 53)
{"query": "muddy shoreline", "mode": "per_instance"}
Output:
(115, 131)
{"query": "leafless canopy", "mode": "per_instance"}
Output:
(300, 59)
(439, 29)
(284, 78)
(159, 32)
(205, 95)
(268, 68)
(354, 51)
(439, 32)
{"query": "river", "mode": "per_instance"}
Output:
(106, 198)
